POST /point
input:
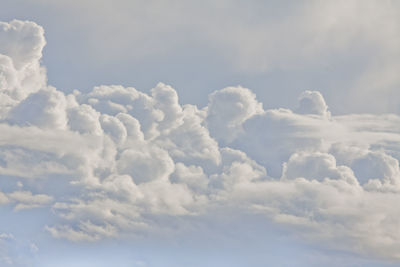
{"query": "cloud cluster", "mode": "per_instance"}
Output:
(134, 159)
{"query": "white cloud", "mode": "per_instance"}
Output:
(139, 163)
(84, 119)
(316, 166)
(26, 200)
(228, 109)
(166, 100)
(377, 170)
(134, 159)
(87, 232)
(45, 108)
(191, 142)
(21, 45)
(22, 41)
(312, 102)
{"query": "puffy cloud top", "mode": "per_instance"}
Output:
(45, 108)
(22, 41)
(228, 109)
(312, 102)
(21, 44)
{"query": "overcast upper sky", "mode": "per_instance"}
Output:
(199, 133)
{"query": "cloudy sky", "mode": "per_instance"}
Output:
(199, 133)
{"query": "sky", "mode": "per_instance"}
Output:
(199, 133)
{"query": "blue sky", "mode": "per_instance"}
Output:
(187, 133)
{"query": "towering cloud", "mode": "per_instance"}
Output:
(21, 45)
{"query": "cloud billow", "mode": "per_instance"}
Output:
(131, 158)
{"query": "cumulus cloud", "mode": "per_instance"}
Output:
(45, 108)
(21, 45)
(140, 164)
(228, 109)
(134, 159)
(312, 102)
(316, 166)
